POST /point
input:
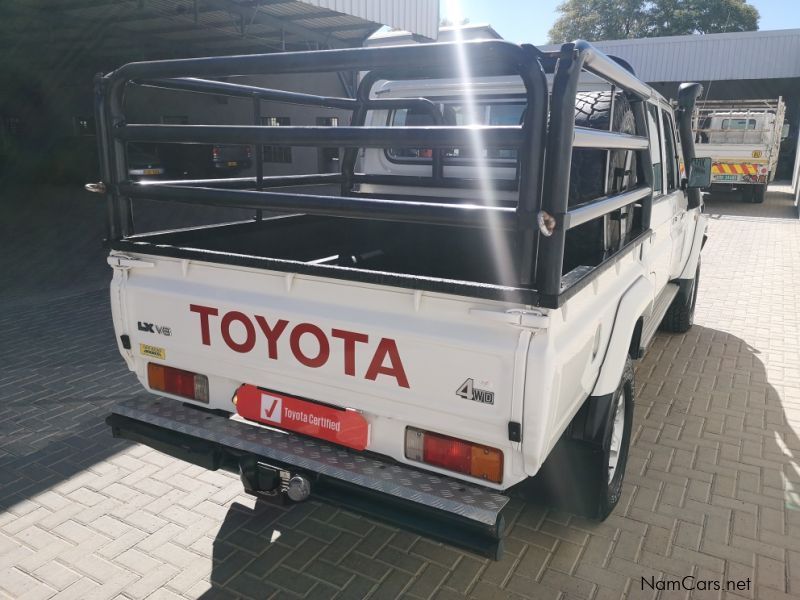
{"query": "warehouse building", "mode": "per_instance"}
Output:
(731, 66)
(51, 50)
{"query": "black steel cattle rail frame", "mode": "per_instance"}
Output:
(539, 221)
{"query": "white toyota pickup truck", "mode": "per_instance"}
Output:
(460, 317)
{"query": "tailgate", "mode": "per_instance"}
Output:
(739, 163)
(733, 152)
(400, 357)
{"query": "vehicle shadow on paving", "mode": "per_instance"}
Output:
(712, 447)
(779, 204)
(61, 374)
(52, 238)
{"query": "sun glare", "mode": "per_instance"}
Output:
(501, 254)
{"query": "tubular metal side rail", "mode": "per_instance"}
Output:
(539, 250)
(572, 59)
(434, 505)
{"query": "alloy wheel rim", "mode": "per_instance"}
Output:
(616, 438)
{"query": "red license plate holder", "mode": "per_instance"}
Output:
(340, 426)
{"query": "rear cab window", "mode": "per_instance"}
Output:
(496, 112)
(738, 124)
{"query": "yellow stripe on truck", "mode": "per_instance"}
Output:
(721, 168)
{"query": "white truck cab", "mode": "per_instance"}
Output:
(463, 314)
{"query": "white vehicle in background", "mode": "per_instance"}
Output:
(461, 316)
(743, 139)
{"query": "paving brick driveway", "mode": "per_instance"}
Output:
(712, 489)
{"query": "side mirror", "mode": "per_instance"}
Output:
(699, 173)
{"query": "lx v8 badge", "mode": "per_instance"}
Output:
(468, 391)
(153, 328)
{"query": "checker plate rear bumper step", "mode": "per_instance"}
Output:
(437, 506)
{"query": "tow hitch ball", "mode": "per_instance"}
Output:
(272, 483)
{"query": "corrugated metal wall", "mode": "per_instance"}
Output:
(731, 56)
(417, 16)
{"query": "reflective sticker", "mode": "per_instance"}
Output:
(152, 351)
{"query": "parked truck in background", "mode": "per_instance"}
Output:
(743, 140)
(461, 317)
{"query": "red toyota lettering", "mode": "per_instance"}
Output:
(250, 332)
(204, 312)
(387, 349)
(272, 334)
(385, 359)
(349, 338)
(324, 348)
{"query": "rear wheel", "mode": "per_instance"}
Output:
(616, 445)
(758, 193)
(585, 476)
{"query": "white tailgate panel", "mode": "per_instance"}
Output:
(438, 346)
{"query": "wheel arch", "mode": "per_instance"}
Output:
(632, 306)
(698, 241)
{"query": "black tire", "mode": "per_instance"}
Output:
(609, 490)
(594, 110)
(575, 477)
(679, 317)
(588, 172)
(758, 194)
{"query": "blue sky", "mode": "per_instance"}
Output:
(530, 20)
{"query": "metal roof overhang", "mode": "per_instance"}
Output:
(114, 31)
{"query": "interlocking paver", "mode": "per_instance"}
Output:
(711, 488)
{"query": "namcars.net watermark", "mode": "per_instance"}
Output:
(690, 582)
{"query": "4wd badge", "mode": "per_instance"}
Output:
(468, 391)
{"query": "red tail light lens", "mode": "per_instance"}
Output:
(454, 454)
(178, 382)
(249, 151)
(215, 151)
(448, 453)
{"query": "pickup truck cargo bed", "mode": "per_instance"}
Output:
(435, 258)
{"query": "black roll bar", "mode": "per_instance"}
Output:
(486, 57)
(348, 137)
(237, 90)
(541, 216)
(556, 218)
(381, 209)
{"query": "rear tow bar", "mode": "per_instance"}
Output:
(270, 461)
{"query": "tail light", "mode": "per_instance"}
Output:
(454, 454)
(215, 151)
(249, 151)
(178, 382)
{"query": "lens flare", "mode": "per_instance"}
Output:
(501, 254)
